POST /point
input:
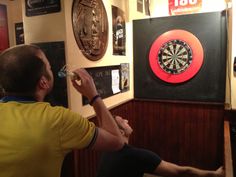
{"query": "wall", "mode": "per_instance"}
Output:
(160, 8)
(58, 27)
(173, 130)
(14, 16)
(44, 28)
(233, 54)
(185, 134)
(192, 129)
(76, 59)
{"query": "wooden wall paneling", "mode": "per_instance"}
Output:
(189, 134)
(87, 160)
(228, 161)
(230, 118)
(186, 134)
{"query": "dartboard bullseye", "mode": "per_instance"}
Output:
(176, 56)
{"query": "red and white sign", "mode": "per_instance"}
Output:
(177, 7)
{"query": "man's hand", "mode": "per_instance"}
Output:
(84, 83)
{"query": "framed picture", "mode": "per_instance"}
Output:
(33, 8)
(19, 32)
(124, 77)
(147, 7)
(4, 35)
(119, 32)
(140, 6)
(179, 7)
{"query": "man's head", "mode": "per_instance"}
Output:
(124, 126)
(24, 69)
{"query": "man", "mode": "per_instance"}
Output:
(34, 136)
(134, 162)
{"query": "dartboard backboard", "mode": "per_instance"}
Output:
(180, 57)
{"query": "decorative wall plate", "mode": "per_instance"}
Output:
(176, 56)
(90, 26)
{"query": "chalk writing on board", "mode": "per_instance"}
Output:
(102, 77)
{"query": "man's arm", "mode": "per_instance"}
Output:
(109, 136)
(170, 169)
(107, 122)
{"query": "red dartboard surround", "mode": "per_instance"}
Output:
(176, 56)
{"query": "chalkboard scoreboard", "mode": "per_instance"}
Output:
(104, 79)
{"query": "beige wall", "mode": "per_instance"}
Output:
(233, 54)
(75, 58)
(58, 27)
(159, 8)
(44, 28)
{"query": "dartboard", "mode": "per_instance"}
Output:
(176, 56)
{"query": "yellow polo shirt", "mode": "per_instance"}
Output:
(35, 137)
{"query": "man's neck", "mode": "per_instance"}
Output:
(40, 95)
(39, 98)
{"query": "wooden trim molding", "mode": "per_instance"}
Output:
(228, 162)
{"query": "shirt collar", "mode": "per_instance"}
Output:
(17, 98)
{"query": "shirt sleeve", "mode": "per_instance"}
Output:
(76, 131)
(148, 159)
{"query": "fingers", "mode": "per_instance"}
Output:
(83, 76)
(119, 117)
(86, 86)
(82, 73)
(76, 85)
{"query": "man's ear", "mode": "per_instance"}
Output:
(43, 83)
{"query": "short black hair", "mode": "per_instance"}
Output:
(21, 69)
